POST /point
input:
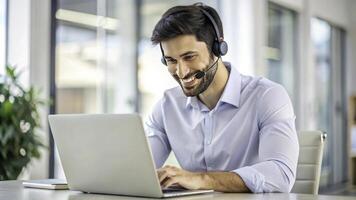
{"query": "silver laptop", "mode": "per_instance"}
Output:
(108, 153)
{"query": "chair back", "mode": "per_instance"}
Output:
(309, 163)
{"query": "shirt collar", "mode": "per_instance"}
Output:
(193, 102)
(231, 94)
(232, 91)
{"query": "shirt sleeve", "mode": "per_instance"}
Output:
(157, 137)
(278, 148)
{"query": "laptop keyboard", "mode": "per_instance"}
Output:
(171, 190)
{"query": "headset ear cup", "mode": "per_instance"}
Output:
(216, 49)
(163, 61)
(223, 48)
(220, 48)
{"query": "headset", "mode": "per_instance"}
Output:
(219, 47)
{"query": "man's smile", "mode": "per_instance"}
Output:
(188, 82)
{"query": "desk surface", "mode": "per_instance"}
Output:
(14, 190)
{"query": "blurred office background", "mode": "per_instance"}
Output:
(95, 56)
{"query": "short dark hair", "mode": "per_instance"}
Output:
(187, 20)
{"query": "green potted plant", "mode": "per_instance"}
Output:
(19, 122)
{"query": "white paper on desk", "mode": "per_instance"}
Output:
(51, 184)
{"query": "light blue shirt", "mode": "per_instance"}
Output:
(251, 131)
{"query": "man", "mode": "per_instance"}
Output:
(229, 132)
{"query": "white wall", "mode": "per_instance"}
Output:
(39, 65)
(238, 23)
(334, 11)
(292, 4)
(18, 37)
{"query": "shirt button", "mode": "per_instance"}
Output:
(208, 141)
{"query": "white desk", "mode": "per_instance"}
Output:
(13, 190)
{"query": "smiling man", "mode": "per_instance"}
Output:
(229, 132)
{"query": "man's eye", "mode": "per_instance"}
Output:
(189, 57)
(171, 61)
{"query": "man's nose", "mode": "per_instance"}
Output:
(182, 70)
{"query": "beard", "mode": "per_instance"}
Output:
(204, 82)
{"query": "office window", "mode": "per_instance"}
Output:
(281, 48)
(3, 29)
(330, 99)
(86, 52)
(87, 48)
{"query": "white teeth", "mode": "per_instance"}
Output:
(188, 79)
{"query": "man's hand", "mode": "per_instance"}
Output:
(174, 176)
(218, 181)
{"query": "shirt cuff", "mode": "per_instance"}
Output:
(252, 178)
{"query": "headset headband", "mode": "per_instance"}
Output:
(211, 19)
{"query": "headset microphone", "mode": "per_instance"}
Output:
(200, 74)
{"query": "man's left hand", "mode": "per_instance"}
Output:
(174, 176)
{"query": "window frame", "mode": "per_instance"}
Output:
(297, 71)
